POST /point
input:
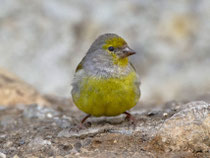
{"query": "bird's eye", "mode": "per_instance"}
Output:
(111, 48)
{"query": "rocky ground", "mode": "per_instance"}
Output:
(27, 129)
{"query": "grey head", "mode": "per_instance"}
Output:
(99, 58)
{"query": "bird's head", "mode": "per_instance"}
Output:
(115, 46)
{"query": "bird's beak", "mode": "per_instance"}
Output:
(127, 52)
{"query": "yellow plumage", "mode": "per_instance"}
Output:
(107, 97)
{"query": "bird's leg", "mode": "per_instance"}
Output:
(85, 118)
(81, 125)
(129, 117)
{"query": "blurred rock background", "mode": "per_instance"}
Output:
(43, 41)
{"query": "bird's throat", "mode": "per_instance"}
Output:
(120, 61)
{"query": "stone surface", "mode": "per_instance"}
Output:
(2, 155)
(50, 131)
(43, 41)
(14, 91)
(188, 129)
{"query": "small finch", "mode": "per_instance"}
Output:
(105, 82)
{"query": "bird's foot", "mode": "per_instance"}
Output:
(131, 119)
(81, 124)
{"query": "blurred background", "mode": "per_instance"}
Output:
(43, 41)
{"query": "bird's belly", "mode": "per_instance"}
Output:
(107, 97)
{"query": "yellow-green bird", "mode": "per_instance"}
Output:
(105, 82)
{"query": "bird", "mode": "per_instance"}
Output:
(105, 82)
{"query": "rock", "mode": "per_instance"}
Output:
(2, 155)
(63, 122)
(38, 143)
(14, 91)
(7, 121)
(37, 111)
(48, 131)
(77, 146)
(64, 133)
(189, 129)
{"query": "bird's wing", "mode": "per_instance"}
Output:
(77, 77)
(137, 82)
(79, 66)
(132, 66)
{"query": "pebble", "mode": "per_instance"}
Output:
(2, 155)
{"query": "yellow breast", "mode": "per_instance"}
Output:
(107, 96)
